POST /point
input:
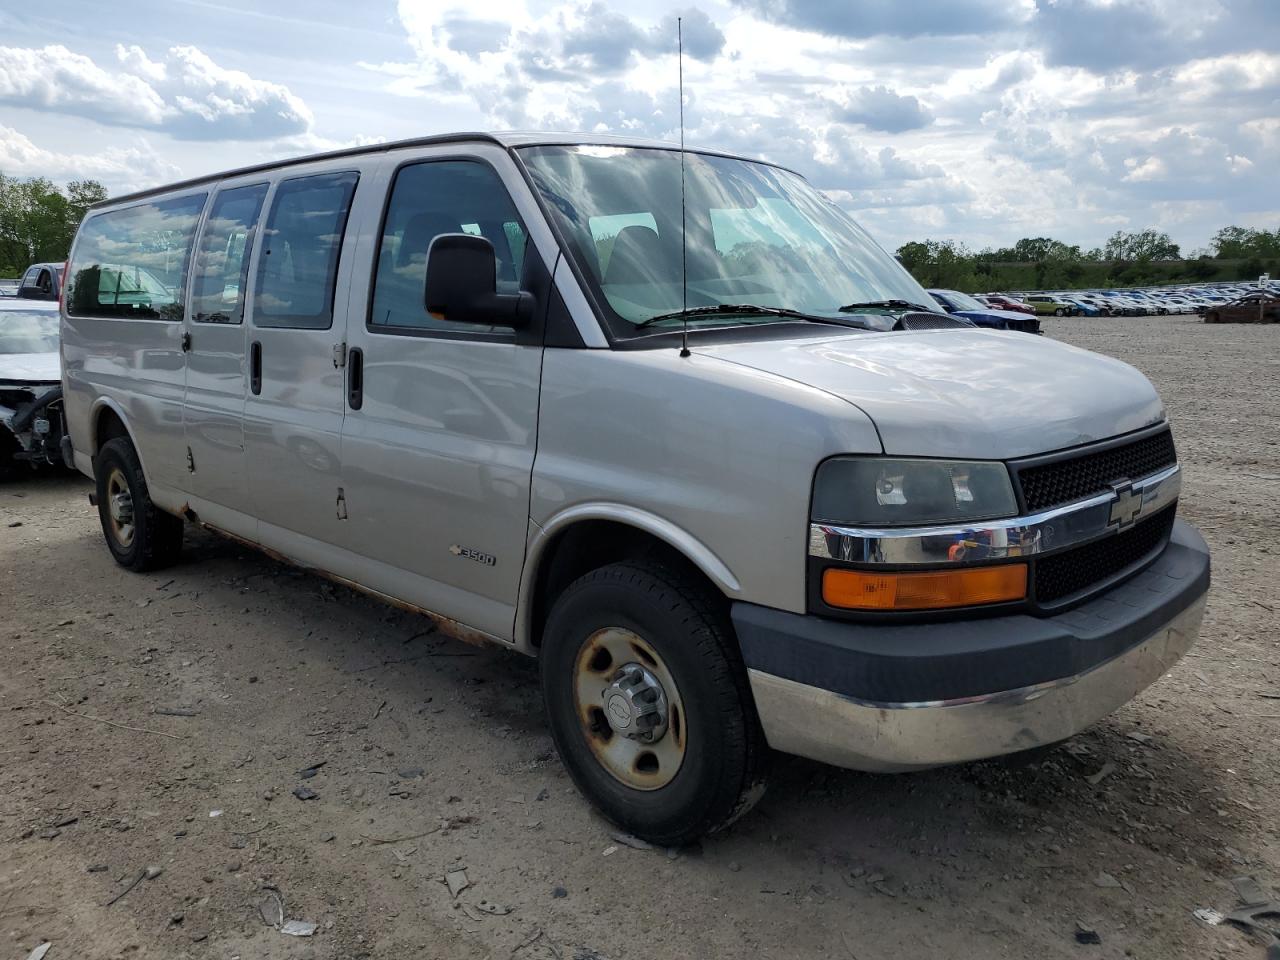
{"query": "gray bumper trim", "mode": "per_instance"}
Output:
(839, 730)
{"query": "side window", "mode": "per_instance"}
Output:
(29, 278)
(298, 266)
(132, 262)
(222, 262)
(428, 199)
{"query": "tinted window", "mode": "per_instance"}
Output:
(298, 266)
(28, 331)
(133, 262)
(223, 259)
(428, 199)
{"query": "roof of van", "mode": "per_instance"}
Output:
(507, 139)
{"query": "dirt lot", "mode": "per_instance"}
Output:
(442, 749)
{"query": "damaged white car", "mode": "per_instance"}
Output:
(31, 423)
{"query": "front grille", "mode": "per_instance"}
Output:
(1066, 574)
(1046, 485)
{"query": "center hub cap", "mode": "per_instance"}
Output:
(636, 705)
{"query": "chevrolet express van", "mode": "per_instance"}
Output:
(720, 465)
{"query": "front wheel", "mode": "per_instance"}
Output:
(649, 704)
(1059, 312)
(139, 535)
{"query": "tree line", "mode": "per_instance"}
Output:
(38, 219)
(1127, 259)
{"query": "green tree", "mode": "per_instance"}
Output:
(940, 263)
(1141, 245)
(38, 220)
(1238, 243)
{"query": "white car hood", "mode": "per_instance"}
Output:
(984, 394)
(30, 367)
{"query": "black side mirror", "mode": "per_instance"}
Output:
(462, 283)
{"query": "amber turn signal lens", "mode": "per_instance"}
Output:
(931, 590)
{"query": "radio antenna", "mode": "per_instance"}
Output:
(684, 246)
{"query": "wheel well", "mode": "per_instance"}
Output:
(591, 544)
(108, 427)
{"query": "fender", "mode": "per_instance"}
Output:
(95, 411)
(676, 537)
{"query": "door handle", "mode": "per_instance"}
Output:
(355, 378)
(186, 341)
(255, 368)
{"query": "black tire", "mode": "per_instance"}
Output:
(155, 539)
(1059, 312)
(722, 772)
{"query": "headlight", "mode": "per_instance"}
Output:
(882, 492)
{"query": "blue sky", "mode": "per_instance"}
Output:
(978, 120)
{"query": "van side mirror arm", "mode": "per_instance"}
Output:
(462, 282)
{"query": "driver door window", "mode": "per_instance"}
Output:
(429, 199)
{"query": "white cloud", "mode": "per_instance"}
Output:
(54, 78)
(982, 120)
(879, 108)
(186, 95)
(119, 169)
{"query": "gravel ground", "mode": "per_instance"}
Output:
(436, 759)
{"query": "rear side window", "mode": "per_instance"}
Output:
(298, 266)
(132, 263)
(428, 199)
(223, 259)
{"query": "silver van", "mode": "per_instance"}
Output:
(668, 421)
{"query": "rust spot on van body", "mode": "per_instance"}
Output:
(445, 625)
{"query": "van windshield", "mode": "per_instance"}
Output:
(756, 235)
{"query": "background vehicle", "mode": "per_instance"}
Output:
(1260, 307)
(42, 281)
(1083, 306)
(31, 422)
(972, 309)
(1002, 302)
(1044, 303)
(9, 288)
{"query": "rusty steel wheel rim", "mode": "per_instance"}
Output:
(630, 709)
(120, 508)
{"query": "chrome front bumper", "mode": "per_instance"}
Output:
(887, 737)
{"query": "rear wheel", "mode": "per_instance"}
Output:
(1059, 312)
(139, 535)
(649, 703)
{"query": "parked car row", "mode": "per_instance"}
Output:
(1129, 302)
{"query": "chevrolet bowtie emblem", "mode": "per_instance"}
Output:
(1126, 506)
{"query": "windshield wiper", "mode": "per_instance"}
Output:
(887, 305)
(749, 309)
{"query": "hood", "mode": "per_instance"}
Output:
(982, 394)
(30, 367)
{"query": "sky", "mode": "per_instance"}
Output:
(981, 121)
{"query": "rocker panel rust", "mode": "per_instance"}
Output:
(445, 625)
